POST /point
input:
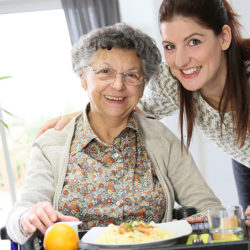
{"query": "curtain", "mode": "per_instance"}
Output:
(85, 15)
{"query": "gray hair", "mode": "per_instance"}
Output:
(120, 36)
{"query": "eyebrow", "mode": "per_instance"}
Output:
(185, 39)
(132, 68)
(107, 64)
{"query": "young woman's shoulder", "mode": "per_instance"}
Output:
(165, 80)
(160, 94)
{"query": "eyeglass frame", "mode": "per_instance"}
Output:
(114, 78)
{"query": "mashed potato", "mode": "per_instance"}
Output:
(133, 232)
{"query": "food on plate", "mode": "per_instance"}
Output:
(133, 232)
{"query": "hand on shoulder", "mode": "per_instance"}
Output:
(58, 123)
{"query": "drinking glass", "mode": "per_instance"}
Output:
(226, 224)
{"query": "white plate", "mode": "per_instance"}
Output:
(179, 228)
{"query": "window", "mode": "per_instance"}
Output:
(35, 51)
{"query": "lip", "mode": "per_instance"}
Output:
(189, 76)
(115, 101)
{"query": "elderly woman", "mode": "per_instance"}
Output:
(109, 164)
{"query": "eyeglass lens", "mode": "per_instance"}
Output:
(109, 74)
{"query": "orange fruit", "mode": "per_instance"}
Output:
(61, 237)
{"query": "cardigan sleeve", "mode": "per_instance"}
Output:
(176, 169)
(38, 186)
(189, 186)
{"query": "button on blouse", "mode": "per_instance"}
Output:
(110, 183)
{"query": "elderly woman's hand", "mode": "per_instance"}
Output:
(247, 214)
(58, 123)
(41, 216)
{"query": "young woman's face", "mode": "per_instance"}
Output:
(194, 53)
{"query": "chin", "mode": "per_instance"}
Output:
(114, 114)
(191, 85)
(191, 88)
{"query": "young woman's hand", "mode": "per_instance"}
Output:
(58, 123)
(41, 216)
(139, 111)
(247, 214)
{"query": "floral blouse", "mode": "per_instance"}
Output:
(110, 183)
(160, 99)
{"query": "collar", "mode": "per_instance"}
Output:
(84, 133)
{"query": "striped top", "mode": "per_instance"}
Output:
(160, 99)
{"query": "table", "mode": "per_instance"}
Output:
(237, 245)
(178, 245)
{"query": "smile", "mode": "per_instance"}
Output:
(114, 98)
(191, 71)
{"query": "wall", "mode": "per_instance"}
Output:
(242, 7)
(142, 14)
(214, 164)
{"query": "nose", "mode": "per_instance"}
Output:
(181, 58)
(118, 82)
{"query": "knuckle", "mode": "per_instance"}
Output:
(39, 211)
(36, 206)
(32, 218)
(46, 203)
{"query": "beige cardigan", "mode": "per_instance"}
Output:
(176, 171)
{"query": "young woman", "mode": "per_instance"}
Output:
(210, 62)
(205, 77)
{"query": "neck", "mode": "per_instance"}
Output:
(106, 128)
(212, 91)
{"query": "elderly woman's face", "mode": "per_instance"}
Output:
(114, 97)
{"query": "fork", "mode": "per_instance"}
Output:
(198, 239)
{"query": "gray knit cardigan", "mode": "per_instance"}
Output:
(175, 169)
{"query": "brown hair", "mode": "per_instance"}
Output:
(214, 14)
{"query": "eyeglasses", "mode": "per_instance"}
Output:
(109, 75)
